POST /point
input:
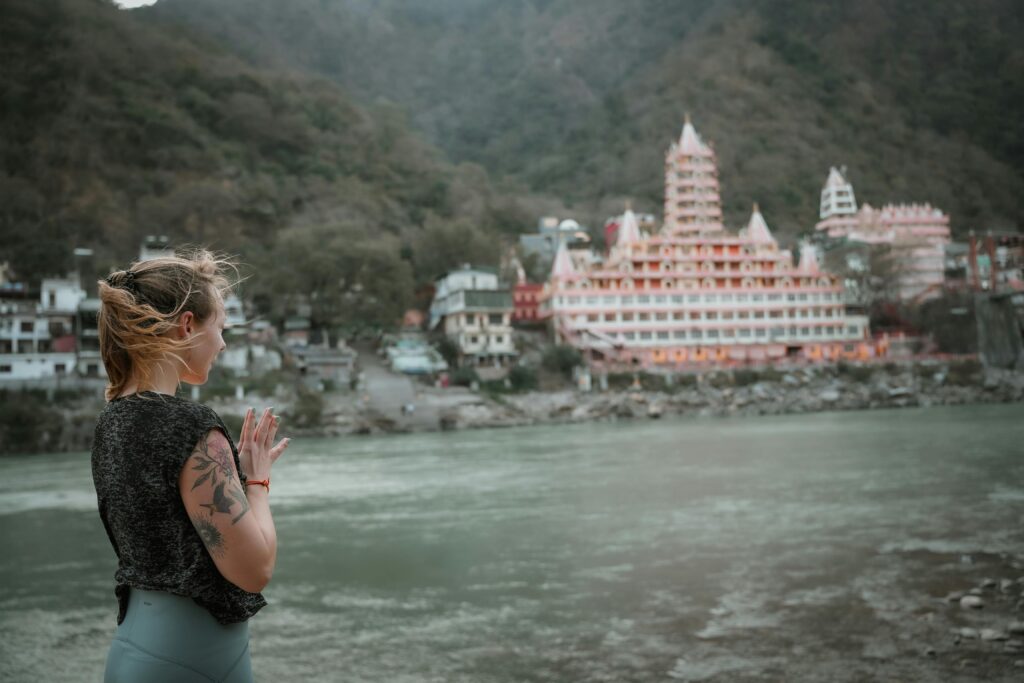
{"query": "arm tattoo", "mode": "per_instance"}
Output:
(217, 469)
(212, 538)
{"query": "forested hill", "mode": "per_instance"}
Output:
(114, 129)
(921, 99)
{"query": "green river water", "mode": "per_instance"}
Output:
(799, 548)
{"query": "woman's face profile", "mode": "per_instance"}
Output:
(208, 337)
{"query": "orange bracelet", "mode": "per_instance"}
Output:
(259, 482)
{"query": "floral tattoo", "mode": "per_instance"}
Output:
(213, 539)
(216, 465)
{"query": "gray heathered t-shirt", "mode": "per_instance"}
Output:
(141, 443)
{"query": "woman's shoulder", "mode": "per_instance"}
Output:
(163, 408)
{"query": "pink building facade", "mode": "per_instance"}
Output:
(692, 293)
(917, 235)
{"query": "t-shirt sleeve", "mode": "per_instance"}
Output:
(193, 425)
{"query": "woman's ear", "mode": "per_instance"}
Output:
(186, 323)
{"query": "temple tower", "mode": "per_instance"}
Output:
(692, 202)
(837, 196)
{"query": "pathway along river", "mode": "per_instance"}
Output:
(803, 548)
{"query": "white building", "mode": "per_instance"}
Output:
(473, 310)
(37, 337)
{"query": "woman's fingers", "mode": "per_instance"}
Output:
(280, 448)
(260, 436)
(272, 432)
(246, 428)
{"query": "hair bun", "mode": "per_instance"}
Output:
(122, 279)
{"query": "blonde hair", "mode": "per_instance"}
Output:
(140, 306)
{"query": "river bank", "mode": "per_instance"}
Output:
(714, 394)
(36, 423)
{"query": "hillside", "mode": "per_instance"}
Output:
(114, 129)
(921, 100)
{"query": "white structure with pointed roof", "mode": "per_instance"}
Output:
(917, 235)
(837, 196)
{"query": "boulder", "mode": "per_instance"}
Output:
(972, 602)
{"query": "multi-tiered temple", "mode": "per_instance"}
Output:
(693, 293)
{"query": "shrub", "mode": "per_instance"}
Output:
(522, 378)
(464, 377)
(29, 425)
(742, 377)
(964, 373)
(561, 359)
(858, 373)
(308, 410)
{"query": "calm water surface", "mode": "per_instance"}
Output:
(796, 548)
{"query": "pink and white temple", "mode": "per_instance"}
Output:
(692, 293)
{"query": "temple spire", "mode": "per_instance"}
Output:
(757, 228)
(809, 258)
(563, 266)
(629, 229)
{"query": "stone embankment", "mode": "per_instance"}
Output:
(715, 394)
(46, 426)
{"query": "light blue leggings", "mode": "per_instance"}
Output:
(166, 638)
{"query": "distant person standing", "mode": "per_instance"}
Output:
(187, 512)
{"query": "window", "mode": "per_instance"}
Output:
(697, 334)
(745, 332)
(630, 335)
(660, 299)
(663, 335)
(27, 325)
(627, 301)
(759, 332)
(5, 369)
(495, 318)
(642, 317)
(627, 317)
(645, 335)
(661, 316)
(643, 299)
(712, 315)
(473, 339)
(500, 339)
(853, 329)
(60, 368)
(712, 334)
(679, 334)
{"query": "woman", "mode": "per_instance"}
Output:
(188, 514)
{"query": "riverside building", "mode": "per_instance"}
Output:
(916, 236)
(692, 293)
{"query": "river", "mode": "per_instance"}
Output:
(803, 548)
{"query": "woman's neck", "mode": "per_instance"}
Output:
(162, 380)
